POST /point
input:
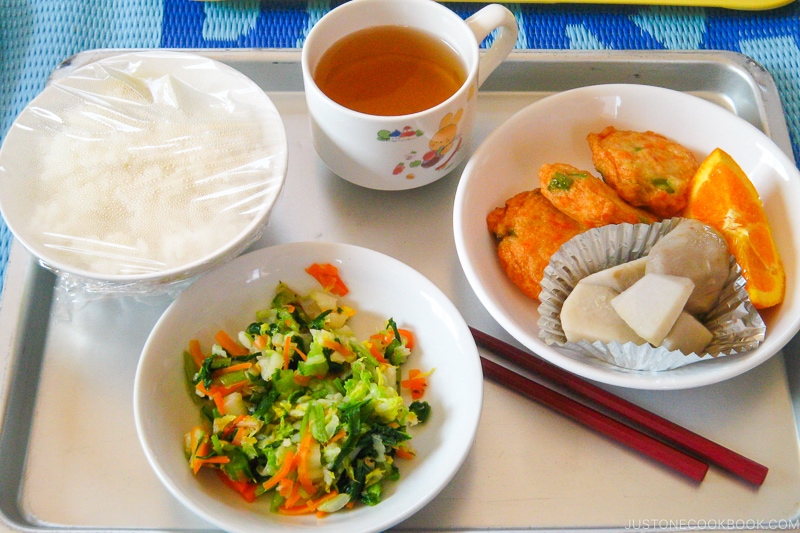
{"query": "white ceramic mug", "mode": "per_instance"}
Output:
(406, 151)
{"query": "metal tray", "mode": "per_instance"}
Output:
(748, 5)
(70, 459)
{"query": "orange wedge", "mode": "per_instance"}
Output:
(723, 197)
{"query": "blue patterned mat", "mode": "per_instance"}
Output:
(37, 36)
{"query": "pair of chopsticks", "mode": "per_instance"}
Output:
(666, 442)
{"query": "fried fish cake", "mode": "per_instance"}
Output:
(645, 168)
(529, 230)
(586, 198)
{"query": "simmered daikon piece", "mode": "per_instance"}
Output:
(652, 305)
(587, 315)
(687, 335)
(619, 277)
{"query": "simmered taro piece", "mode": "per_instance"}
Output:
(695, 251)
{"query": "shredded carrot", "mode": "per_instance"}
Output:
(337, 347)
(376, 353)
(293, 498)
(230, 428)
(233, 387)
(202, 389)
(286, 467)
(408, 336)
(285, 487)
(203, 447)
(416, 383)
(219, 402)
(220, 390)
(230, 346)
(230, 369)
(301, 379)
(303, 456)
(309, 506)
(386, 338)
(196, 352)
(246, 489)
(328, 276)
(339, 436)
(296, 510)
(218, 460)
(260, 341)
(381, 338)
(403, 453)
(287, 351)
(200, 450)
(240, 434)
(299, 352)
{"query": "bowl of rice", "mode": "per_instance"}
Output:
(143, 169)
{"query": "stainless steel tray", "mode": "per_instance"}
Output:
(69, 457)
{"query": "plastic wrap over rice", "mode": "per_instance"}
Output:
(143, 169)
(735, 324)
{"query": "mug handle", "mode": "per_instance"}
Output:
(482, 23)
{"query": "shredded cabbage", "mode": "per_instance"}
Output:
(311, 416)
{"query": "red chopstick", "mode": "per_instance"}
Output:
(691, 442)
(633, 438)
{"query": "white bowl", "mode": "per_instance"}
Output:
(553, 130)
(380, 287)
(146, 167)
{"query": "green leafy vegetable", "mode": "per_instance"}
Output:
(312, 416)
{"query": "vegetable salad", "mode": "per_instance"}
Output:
(298, 409)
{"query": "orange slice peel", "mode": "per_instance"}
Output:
(723, 197)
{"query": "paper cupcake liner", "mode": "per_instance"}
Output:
(735, 324)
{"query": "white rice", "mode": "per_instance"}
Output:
(131, 184)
